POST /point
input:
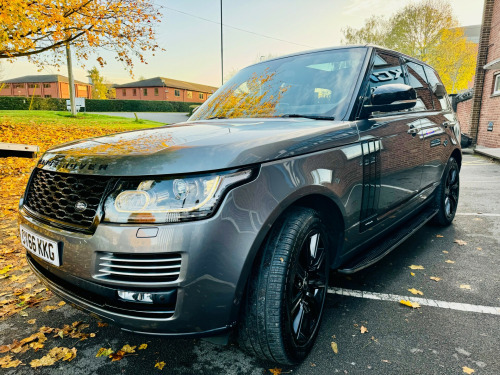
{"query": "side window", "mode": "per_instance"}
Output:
(386, 70)
(439, 95)
(418, 80)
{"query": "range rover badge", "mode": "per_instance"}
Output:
(80, 206)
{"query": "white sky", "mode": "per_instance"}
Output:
(193, 45)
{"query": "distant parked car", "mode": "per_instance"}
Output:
(233, 220)
(465, 141)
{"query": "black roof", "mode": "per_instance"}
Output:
(42, 78)
(167, 82)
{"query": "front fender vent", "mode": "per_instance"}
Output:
(138, 269)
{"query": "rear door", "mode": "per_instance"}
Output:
(436, 132)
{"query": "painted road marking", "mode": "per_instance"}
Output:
(421, 301)
(476, 214)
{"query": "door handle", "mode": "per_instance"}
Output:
(413, 131)
(448, 124)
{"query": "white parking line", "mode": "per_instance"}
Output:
(476, 214)
(421, 301)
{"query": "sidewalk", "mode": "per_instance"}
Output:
(490, 152)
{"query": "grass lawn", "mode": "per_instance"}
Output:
(65, 119)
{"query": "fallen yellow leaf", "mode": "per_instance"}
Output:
(414, 267)
(415, 291)
(467, 370)
(439, 236)
(49, 308)
(101, 324)
(435, 278)
(128, 349)
(414, 305)
(62, 303)
(444, 251)
(450, 261)
(464, 286)
(103, 352)
(7, 362)
(32, 321)
(460, 242)
(363, 329)
(479, 248)
(160, 365)
(412, 273)
(143, 346)
(275, 371)
(335, 348)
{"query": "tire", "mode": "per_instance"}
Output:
(447, 193)
(283, 306)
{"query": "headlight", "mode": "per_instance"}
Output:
(169, 200)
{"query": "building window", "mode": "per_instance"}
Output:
(496, 88)
(190, 95)
(46, 85)
(156, 91)
(145, 92)
(134, 92)
(48, 96)
(124, 92)
(32, 85)
(200, 95)
(177, 92)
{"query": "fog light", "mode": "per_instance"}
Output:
(135, 296)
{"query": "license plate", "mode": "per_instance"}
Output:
(40, 246)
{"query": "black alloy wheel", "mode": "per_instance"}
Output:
(447, 193)
(307, 290)
(282, 310)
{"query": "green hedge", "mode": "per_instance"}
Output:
(23, 103)
(94, 105)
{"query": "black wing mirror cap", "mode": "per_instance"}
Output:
(392, 97)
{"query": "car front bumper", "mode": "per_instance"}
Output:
(216, 253)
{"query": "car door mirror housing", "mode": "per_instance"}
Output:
(392, 97)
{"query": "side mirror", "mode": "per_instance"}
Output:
(392, 97)
(439, 90)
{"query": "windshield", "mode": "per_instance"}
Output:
(317, 84)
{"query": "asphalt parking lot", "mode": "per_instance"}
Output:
(456, 327)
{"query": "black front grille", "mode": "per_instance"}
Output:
(55, 196)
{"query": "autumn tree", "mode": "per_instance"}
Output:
(32, 29)
(457, 66)
(99, 89)
(428, 31)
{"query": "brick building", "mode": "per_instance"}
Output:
(45, 86)
(484, 126)
(160, 88)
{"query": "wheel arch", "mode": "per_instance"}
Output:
(457, 155)
(320, 200)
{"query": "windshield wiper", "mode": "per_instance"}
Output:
(314, 117)
(216, 118)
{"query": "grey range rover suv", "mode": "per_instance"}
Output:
(230, 222)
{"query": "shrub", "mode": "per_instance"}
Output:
(94, 105)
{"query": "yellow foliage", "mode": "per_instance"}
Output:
(454, 58)
(32, 27)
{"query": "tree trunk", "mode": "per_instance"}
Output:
(71, 80)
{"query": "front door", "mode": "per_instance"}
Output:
(392, 152)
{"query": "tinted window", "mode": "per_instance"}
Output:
(418, 80)
(439, 95)
(386, 70)
(319, 84)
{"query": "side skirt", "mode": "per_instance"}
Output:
(388, 243)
